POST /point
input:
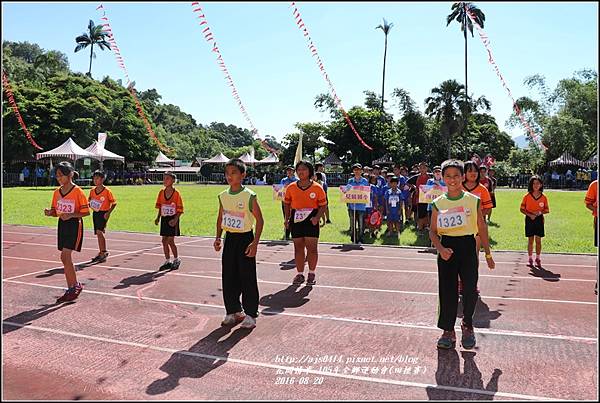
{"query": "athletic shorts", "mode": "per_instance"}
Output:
(596, 231)
(166, 229)
(422, 210)
(70, 234)
(493, 196)
(534, 227)
(99, 221)
(304, 229)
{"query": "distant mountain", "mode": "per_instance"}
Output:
(521, 141)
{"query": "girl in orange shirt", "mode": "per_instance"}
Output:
(534, 206)
(102, 202)
(170, 208)
(70, 205)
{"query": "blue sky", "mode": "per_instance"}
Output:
(274, 72)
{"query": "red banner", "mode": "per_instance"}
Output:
(311, 46)
(486, 42)
(121, 64)
(13, 104)
(208, 35)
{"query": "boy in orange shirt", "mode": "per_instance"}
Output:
(170, 208)
(591, 202)
(534, 206)
(102, 202)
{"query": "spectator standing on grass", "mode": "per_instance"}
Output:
(25, 173)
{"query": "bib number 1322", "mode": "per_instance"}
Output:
(232, 221)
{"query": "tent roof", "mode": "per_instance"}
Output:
(271, 159)
(161, 158)
(386, 159)
(332, 159)
(567, 159)
(248, 159)
(68, 149)
(103, 154)
(217, 159)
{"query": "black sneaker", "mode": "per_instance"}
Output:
(299, 279)
(166, 266)
(102, 257)
(468, 336)
(448, 340)
(328, 222)
(311, 279)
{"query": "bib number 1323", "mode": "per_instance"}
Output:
(452, 218)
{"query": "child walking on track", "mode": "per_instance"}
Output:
(238, 211)
(534, 206)
(102, 202)
(456, 217)
(70, 205)
(591, 202)
(305, 204)
(170, 208)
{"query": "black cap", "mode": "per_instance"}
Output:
(394, 179)
(390, 174)
(289, 167)
(437, 168)
(171, 174)
(376, 167)
(357, 165)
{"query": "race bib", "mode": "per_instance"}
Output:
(452, 218)
(95, 204)
(168, 210)
(301, 214)
(232, 220)
(394, 200)
(65, 206)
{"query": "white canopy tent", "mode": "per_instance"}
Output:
(217, 159)
(163, 159)
(102, 154)
(69, 149)
(248, 159)
(271, 159)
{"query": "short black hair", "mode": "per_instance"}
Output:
(394, 179)
(483, 167)
(65, 168)
(319, 164)
(453, 164)
(171, 174)
(311, 169)
(372, 178)
(531, 180)
(472, 166)
(319, 176)
(236, 163)
(99, 173)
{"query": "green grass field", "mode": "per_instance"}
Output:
(568, 226)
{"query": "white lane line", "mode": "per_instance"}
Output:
(87, 261)
(282, 367)
(316, 286)
(91, 233)
(357, 256)
(265, 311)
(52, 245)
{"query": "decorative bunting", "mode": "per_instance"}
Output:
(313, 49)
(13, 104)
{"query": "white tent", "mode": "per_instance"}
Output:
(163, 159)
(102, 154)
(69, 149)
(248, 159)
(271, 159)
(217, 159)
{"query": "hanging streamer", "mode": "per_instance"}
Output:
(486, 42)
(313, 49)
(13, 104)
(121, 63)
(208, 35)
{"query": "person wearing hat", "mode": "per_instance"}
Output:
(285, 182)
(170, 208)
(356, 211)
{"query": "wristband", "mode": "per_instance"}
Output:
(488, 255)
(218, 239)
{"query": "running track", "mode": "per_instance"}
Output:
(136, 333)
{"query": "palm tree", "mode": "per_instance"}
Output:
(445, 105)
(95, 35)
(459, 14)
(386, 29)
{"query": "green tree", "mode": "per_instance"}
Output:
(386, 30)
(94, 36)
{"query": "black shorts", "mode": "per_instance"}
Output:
(534, 227)
(304, 229)
(166, 229)
(422, 210)
(70, 234)
(99, 221)
(493, 196)
(596, 231)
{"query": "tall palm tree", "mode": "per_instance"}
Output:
(95, 35)
(445, 105)
(459, 14)
(386, 29)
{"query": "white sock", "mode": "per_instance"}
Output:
(312, 271)
(537, 256)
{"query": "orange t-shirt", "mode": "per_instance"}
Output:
(533, 205)
(170, 206)
(591, 197)
(74, 201)
(101, 201)
(484, 195)
(313, 197)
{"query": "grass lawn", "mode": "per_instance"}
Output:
(569, 225)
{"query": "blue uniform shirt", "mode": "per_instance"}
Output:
(361, 182)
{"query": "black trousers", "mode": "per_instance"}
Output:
(288, 231)
(239, 275)
(464, 262)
